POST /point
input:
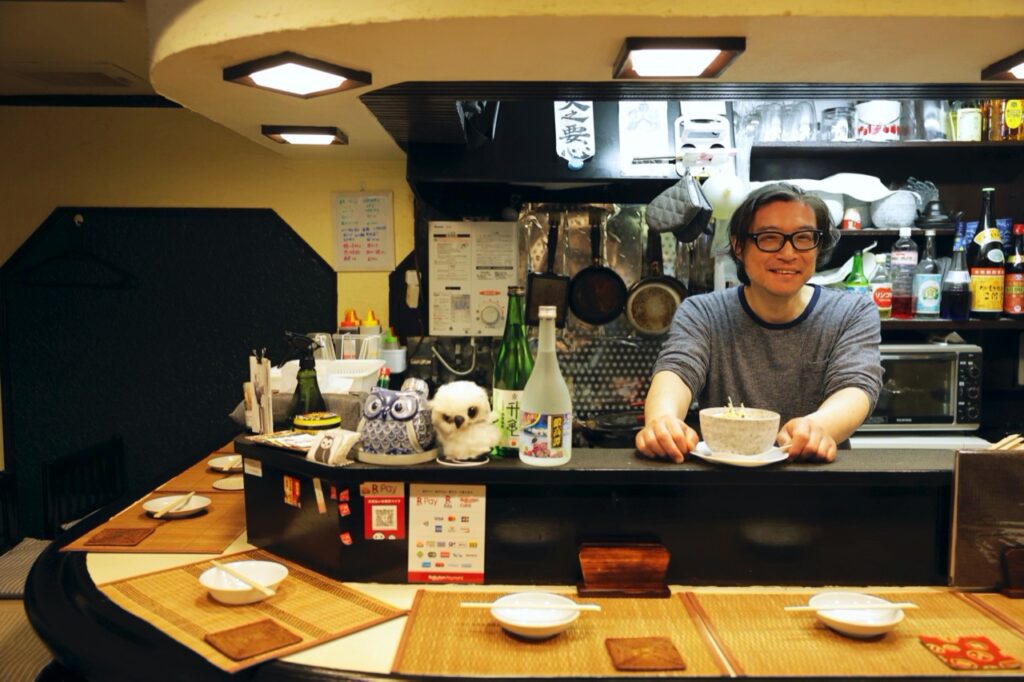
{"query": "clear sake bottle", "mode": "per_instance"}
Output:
(545, 412)
(513, 365)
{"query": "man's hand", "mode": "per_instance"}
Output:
(807, 440)
(667, 437)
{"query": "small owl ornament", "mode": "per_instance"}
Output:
(462, 419)
(397, 422)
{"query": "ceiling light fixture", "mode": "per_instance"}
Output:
(1009, 69)
(314, 135)
(676, 57)
(294, 74)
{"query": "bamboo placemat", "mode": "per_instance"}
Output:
(761, 639)
(314, 607)
(198, 477)
(207, 533)
(1009, 612)
(443, 639)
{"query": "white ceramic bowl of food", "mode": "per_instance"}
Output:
(738, 430)
(228, 589)
(534, 623)
(861, 623)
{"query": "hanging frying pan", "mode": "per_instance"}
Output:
(547, 288)
(596, 293)
(653, 299)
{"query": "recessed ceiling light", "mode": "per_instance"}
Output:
(312, 135)
(294, 74)
(1008, 69)
(676, 57)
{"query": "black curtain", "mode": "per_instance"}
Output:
(138, 323)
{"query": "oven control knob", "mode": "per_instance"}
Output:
(973, 392)
(973, 371)
(972, 413)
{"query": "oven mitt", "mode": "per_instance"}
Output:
(682, 209)
(969, 653)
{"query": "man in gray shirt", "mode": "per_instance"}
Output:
(809, 353)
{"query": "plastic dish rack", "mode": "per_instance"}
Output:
(362, 372)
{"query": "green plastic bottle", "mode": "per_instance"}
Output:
(856, 282)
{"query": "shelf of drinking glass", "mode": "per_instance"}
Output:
(1002, 323)
(857, 146)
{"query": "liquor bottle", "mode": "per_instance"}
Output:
(881, 287)
(956, 289)
(856, 282)
(512, 367)
(545, 412)
(985, 262)
(1013, 284)
(903, 261)
(1013, 119)
(927, 281)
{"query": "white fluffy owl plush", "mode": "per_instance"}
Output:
(461, 414)
(396, 422)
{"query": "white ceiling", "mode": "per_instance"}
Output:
(179, 49)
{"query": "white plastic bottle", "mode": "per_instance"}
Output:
(545, 411)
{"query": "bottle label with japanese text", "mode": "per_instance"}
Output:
(929, 291)
(1013, 293)
(506, 416)
(986, 290)
(546, 437)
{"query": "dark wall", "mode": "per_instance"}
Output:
(138, 323)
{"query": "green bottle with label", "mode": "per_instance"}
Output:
(512, 367)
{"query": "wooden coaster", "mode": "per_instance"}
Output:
(120, 537)
(644, 653)
(252, 639)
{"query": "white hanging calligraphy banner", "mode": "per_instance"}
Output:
(574, 132)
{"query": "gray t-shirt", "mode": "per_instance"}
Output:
(721, 349)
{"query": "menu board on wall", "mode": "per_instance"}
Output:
(364, 232)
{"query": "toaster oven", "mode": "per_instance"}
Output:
(928, 387)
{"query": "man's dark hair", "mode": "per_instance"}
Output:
(743, 217)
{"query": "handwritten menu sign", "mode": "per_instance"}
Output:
(364, 232)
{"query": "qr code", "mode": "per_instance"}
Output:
(385, 517)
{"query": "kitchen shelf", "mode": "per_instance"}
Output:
(1002, 324)
(863, 147)
(873, 232)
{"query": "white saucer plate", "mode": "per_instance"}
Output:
(230, 483)
(195, 505)
(474, 462)
(226, 464)
(765, 458)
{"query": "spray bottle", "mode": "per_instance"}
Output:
(307, 397)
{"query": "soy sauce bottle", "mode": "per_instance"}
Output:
(985, 261)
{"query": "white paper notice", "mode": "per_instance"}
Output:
(643, 132)
(446, 533)
(364, 232)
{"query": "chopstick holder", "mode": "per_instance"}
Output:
(173, 504)
(245, 579)
(853, 607)
(531, 607)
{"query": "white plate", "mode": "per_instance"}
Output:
(479, 460)
(229, 483)
(227, 463)
(861, 623)
(195, 505)
(767, 457)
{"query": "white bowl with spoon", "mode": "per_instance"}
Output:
(243, 582)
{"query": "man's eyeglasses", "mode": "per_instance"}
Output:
(802, 240)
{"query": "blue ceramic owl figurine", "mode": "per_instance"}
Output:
(397, 422)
